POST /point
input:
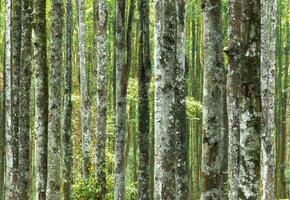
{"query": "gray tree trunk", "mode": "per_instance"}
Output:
(102, 61)
(15, 63)
(54, 125)
(10, 173)
(41, 98)
(233, 93)
(165, 69)
(144, 78)
(84, 92)
(182, 162)
(67, 121)
(268, 61)
(24, 101)
(213, 112)
(121, 95)
(2, 144)
(250, 101)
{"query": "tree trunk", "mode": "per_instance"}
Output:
(213, 112)
(15, 63)
(67, 123)
(102, 62)
(84, 92)
(250, 101)
(54, 125)
(283, 132)
(10, 175)
(268, 27)
(144, 77)
(24, 101)
(121, 92)
(165, 69)
(2, 143)
(41, 98)
(233, 93)
(182, 175)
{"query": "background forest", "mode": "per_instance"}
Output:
(76, 125)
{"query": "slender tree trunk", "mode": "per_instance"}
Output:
(15, 63)
(67, 123)
(2, 145)
(268, 27)
(102, 62)
(54, 125)
(10, 174)
(166, 63)
(213, 113)
(250, 101)
(233, 87)
(121, 92)
(41, 98)
(283, 132)
(144, 77)
(24, 101)
(84, 92)
(182, 169)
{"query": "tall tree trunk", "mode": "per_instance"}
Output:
(165, 69)
(121, 92)
(182, 175)
(102, 61)
(144, 77)
(84, 92)
(250, 100)
(233, 93)
(283, 132)
(24, 101)
(213, 112)
(41, 98)
(15, 63)
(67, 123)
(10, 173)
(54, 127)
(268, 50)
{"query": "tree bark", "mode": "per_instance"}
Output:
(41, 98)
(144, 78)
(233, 93)
(54, 125)
(250, 101)
(121, 91)
(84, 92)
(213, 112)
(24, 100)
(165, 69)
(182, 162)
(67, 123)
(10, 174)
(102, 61)
(268, 60)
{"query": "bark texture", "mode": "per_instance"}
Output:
(233, 93)
(213, 112)
(84, 91)
(165, 69)
(24, 101)
(121, 94)
(41, 98)
(182, 162)
(268, 50)
(54, 125)
(10, 172)
(67, 123)
(144, 77)
(102, 60)
(250, 101)
(2, 145)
